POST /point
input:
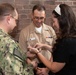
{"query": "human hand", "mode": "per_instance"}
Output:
(41, 71)
(41, 46)
(33, 50)
(38, 45)
(34, 63)
(30, 55)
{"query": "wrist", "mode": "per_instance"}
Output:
(37, 52)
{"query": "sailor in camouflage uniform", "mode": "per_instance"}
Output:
(12, 60)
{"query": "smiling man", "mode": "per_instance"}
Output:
(37, 32)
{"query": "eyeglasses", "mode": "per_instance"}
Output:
(16, 20)
(39, 18)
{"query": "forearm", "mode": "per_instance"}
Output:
(53, 66)
(46, 62)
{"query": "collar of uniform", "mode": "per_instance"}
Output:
(45, 28)
(32, 27)
(1, 30)
(34, 30)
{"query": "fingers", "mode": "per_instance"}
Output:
(28, 61)
(33, 50)
(38, 45)
(29, 47)
(41, 71)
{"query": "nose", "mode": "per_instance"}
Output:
(39, 20)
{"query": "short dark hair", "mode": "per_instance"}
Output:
(67, 21)
(6, 9)
(39, 7)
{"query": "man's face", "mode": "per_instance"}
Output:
(38, 18)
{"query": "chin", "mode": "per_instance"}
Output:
(38, 26)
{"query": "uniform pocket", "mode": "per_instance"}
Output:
(49, 40)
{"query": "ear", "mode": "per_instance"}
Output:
(8, 19)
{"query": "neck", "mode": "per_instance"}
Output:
(4, 28)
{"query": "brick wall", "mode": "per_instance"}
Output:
(24, 8)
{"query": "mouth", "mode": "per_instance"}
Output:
(38, 24)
